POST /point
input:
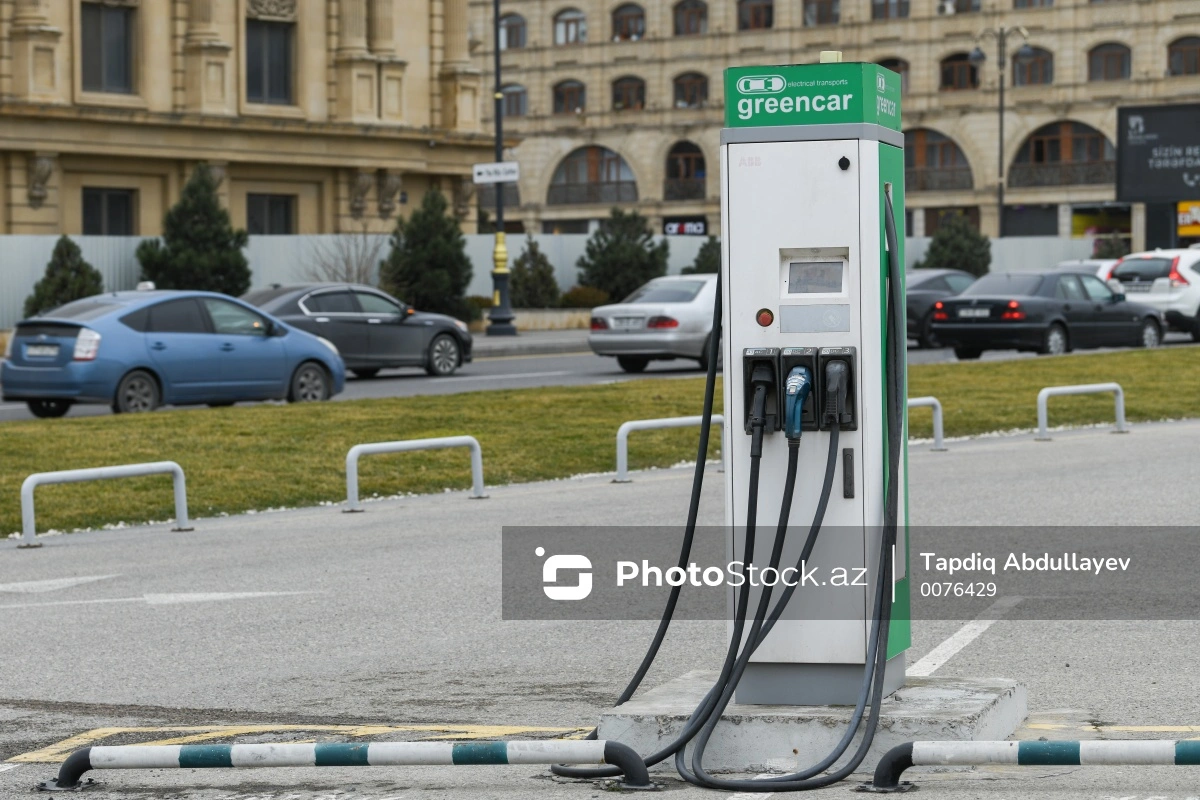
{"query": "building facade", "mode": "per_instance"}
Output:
(318, 116)
(620, 102)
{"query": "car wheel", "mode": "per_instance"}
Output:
(1055, 342)
(1151, 335)
(443, 356)
(137, 392)
(48, 409)
(365, 373)
(310, 384)
(926, 339)
(967, 353)
(633, 363)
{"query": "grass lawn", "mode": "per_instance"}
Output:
(266, 456)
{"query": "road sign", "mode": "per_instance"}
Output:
(498, 172)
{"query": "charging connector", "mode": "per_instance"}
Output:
(795, 394)
(762, 383)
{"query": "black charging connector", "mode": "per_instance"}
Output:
(837, 399)
(760, 368)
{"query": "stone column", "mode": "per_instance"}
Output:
(34, 54)
(207, 74)
(1137, 224)
(455, 27)
(382, 28)
(352, 27)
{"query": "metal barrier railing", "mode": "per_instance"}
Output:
(1083, 388)
(440, 443)
(653, 424)
(28, 528)
(935, 404)
(348, 754)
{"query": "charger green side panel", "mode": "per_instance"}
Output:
(891, 171)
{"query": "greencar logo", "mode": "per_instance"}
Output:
(761, 84)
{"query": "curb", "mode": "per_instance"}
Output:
(528, 349)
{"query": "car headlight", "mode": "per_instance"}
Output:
(462, 326)
(330, 345)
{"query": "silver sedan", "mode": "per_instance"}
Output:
(667, 318)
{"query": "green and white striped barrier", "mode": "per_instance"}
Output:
(341, 754)
(1073, 753)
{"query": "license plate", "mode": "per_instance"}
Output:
(974, 313)
(41, 350)
(1136, 287)
(626, 323)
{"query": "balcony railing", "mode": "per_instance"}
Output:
(684, 189)
(937, 180)
(487, 196)
(1062, 174)
(565, 194)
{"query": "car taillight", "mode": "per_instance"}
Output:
(939, 311)
(1177, 280)
(1012, 311)
(1108, 275)
(87, 345)
(662, 322)
(599, 324)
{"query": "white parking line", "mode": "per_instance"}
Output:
(7, 767)
(968, 633)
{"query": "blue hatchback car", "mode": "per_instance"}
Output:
(142, 349)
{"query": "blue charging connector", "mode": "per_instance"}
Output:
(796, 391)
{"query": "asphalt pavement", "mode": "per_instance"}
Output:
(311, 624)
(540, 358)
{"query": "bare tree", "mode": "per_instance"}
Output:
(346, 257)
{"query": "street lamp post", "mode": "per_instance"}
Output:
(500, 318)
(977, 59)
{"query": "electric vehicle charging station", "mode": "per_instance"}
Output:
(808, 158)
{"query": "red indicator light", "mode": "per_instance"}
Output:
(662, 322)
(765, 317)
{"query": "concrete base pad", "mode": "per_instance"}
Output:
(753, 738)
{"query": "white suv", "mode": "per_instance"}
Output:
(1168, 280)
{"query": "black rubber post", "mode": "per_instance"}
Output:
(630, 763)
(70, 772)
(890, 768)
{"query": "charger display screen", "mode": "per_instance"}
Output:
(815, 277)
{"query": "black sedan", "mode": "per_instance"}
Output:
(1050, 312)
(372, 330)
(924, 287)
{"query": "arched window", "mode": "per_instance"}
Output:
(570, 27)
(570, 97)
(515, 101)
(592, 174)
(1064, 154)
(1033, 3)
(899, 66)
(754, 15)
(686, 176)
(958, 73)
(512, 32)
(691, 90)
(691, 18)
(629, 23)
(628, 94)
(934, 162)
(1183, 56)
(822, 12)
(959, 6)
(1108, 62)
(1036, 70)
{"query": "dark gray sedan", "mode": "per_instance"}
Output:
(371, 329)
